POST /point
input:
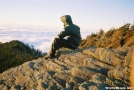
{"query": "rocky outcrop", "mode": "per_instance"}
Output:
(82, 69)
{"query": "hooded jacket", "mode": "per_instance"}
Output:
(71, 31)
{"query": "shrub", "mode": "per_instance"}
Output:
(123, 36)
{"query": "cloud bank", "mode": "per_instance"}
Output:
(40, 37)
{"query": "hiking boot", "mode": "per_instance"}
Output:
(49, 57)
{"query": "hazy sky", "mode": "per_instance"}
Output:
(88, 14)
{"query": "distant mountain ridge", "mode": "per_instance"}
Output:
(15, 53)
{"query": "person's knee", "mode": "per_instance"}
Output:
(56, 39)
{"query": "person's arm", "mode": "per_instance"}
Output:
(63, 33)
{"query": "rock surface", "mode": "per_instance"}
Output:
(82, 69)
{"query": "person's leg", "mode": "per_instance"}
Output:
(58, 43)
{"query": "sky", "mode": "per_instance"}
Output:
(37, 22)
(88, 14)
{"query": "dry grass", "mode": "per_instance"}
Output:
(108, 34)
(132, 70)
(111, 39)
(130, 42)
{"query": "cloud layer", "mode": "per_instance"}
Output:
(41, 38)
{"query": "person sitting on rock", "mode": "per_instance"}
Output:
(72, 34)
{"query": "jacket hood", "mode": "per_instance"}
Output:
(66, 19)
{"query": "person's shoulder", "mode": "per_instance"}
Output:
(72, 26)
(76, 26)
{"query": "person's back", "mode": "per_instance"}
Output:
(71, 31)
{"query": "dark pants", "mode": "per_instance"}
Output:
(59, 43)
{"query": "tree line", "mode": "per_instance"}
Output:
(15, 53)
